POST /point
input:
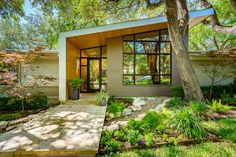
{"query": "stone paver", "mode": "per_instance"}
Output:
(65, 128)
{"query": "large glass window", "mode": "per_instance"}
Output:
(147, 58)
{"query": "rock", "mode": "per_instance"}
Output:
(167, 100)
(122, 123)
(3, 125)
(110, 115)
(141, 115)
(160, 107)
(127, 112)
(135, 108)
(138, 103)
(112, 127)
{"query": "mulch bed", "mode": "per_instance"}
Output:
(230, 114)
(187, 142)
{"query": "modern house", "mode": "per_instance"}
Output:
(132, 58)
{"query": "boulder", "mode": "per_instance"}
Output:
(3, 125)
(138, 103)
(112, 127)
(127, 112)
(122, 123)
(135, 108)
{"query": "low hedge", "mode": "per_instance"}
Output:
(217, 91)
(35, 101)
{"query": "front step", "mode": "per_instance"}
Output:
(51, 153)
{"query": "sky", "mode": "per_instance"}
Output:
(28, 8)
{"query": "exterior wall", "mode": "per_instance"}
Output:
(115, 72)
(48, 65)
(204, 80)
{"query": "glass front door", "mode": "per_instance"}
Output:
(93, 75)
(93, 69)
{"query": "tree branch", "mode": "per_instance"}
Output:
(215, 22)
(233, 3)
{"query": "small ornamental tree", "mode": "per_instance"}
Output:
(11, 66)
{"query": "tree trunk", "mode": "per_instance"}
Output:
(188, 77)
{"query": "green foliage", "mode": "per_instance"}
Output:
(228, 99)
(177, 92)
(116, 108)
(120, 135)
(185, 122)
(148, 138)
(149, 123)
(106, 136)
(175, 103)
(133, 136)
(35, 101)
(101, 96)
(75, 83)
(10, 116)
(217, 91)
(199, 107)
(217, 106)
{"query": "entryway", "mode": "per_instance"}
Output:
(93, 69)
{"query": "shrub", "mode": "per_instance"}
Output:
(35, 101)
(133, 136)
(75, 83)
(175, 103)
(148, 138)
(217, 91)
(199, 107)
(116, 108)
(120, 135)
(133, 124)
(113, 145)
(218, 107)
(101, 97)
(228, 99)
(185, 122)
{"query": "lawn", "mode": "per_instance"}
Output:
(225, 128)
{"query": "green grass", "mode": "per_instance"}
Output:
(220, 149)
(10, 116)
(226, 128)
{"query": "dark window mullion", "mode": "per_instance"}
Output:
(134, 61)
(159, 57)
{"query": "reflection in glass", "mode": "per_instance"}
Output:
(93, 52)
(143, 80)
(165, 64)
(149, 36)
(128, 63)
(165, 35)
(165, 79)
(94, 74)
(146, 47)
(165, 47)
(128, 80)
(128, 47)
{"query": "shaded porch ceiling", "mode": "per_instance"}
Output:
(97, 36)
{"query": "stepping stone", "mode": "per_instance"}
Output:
(135, 108)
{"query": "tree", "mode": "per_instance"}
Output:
(11, 8)
(12, 79)
(215, 22)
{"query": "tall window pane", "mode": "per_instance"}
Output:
(128, 64)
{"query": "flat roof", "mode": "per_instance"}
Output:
(97, 36)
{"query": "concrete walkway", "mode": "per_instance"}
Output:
(66, 130)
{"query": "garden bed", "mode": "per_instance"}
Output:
(186, 142)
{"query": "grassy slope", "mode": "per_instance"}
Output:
(226, 128)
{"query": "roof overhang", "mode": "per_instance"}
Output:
(95, 36)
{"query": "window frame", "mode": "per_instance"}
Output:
(157, 53)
